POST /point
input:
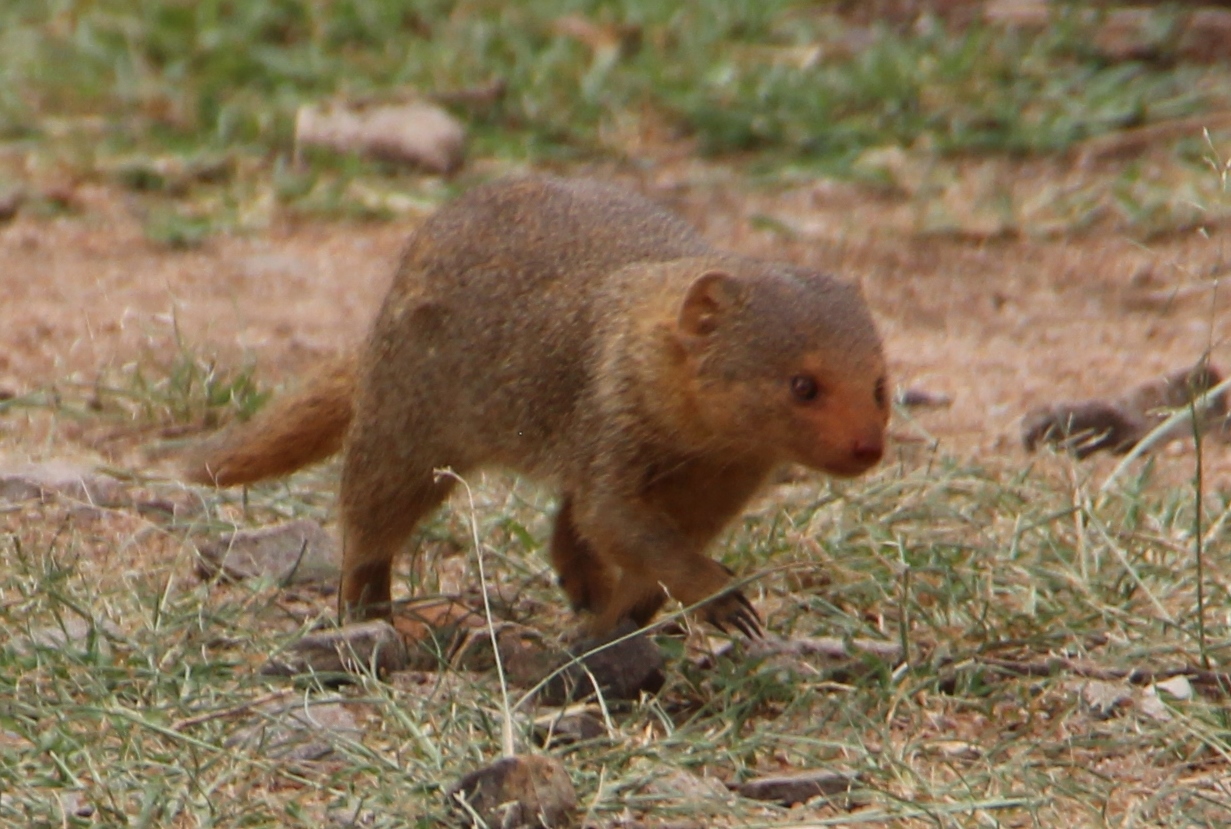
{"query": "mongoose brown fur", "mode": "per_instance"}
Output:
(579, 334)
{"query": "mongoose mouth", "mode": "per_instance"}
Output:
(849, 468)
(863, 455)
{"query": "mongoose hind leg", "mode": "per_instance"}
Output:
(585, 578)
(383, 498)
(373, 533)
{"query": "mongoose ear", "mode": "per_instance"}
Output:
(711, 295)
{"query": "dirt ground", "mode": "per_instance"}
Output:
(999, 324)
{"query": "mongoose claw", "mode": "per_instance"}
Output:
(734, 609)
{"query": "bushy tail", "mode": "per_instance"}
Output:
(286, 435)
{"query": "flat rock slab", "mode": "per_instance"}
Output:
(807, 654)
(340, 653)
(800, 787)
(74, 634)
(1116, 425)
(679, 787)
(296, 553)
(528, 790)
(445, 631)
(60, 479)
(298, 731)
(441, 631)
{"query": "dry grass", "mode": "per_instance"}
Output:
(1009, 589)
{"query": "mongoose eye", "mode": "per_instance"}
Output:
(879, 394)
(805, 388)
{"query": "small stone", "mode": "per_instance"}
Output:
(298, 731)
(824, 648)
(351, 816)
(922, 398)
(562, 729)
(420, 134)
(798, 657)
(341, 652)
(72, 805)
(1152, 706)
(622, 671)
(681, 787)
(164, 506)
(74, 634)
(1177, 687)
(10, 203)
(789, 789)
(1106, 699)
(956, 750)
(296, 553)
(63, 195)
(529, 790)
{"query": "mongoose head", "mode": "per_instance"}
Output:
(786, 364)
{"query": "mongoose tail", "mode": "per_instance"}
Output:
(290, 433)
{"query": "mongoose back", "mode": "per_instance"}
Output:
(579, 334)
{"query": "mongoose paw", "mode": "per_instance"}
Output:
(734, 609)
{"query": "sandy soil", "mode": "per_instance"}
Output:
(1000, 325)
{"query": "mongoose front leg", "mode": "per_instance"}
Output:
(692, 579)
(584, 577)
(657, 534)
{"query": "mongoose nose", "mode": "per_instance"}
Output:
(868, 450)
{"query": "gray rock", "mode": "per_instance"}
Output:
(296, 553)
(530, 790)
(527, 655)
(298, 731)
(680, 787)
(1177, 686)
(789, 789)
(60, 479)
(922, 398)
(73, 634)
(351, 649)
(72, 804)
(350, 816)
(11, 200)
(1084, 427)
(1105, 700)
(1152, 705)
(420, 134)
(560, 729)
(621, 671)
